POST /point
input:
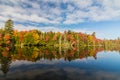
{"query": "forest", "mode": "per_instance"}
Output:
(66, 39)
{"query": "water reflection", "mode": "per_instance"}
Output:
(44, 63)
(51, 53)
(5, 59)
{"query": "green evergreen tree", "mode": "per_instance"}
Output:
(93, 34)
(8, 27)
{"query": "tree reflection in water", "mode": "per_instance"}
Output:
(5, 59)
(8, 55)
(33, 54)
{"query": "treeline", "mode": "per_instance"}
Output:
(111, 42)
(112, 45)
(10, 37)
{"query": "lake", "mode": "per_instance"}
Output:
(42, 63)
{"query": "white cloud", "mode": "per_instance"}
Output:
(85, 30)
(113, 4)
(1, 25)
(42, 11)
(83, 3)
(34, 13)
(47, 29)
(101, 11)
(75, 17)
(21, 27)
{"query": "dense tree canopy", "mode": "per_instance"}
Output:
(58, 39)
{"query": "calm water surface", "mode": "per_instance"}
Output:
(33, 63)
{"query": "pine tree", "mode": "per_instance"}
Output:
(8, 29)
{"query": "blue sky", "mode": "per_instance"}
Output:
(100, 16)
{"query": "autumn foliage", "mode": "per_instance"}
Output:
(39, 38)
(35, 37)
